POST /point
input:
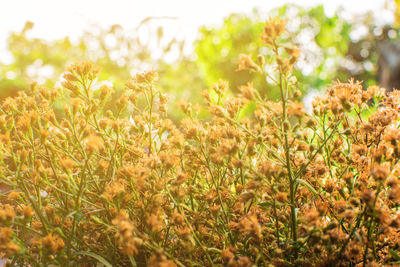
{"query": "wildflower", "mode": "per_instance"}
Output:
(248, 91)
(383, 117)
(160, 260)
(312, 217)
(215, 209)
(144, 77)
(302, 146)
(336, 235)
(178, 218)
(76, 105)
(185, 106)
(348, 215)
(72, 87)
(353, 251)
(246, 63)
(93, 144)
(14, 195)
(227, 255)
(27, 212)
(7, 247)
(379, 172)
(281, 197)
(122, 101)
(36, 225)
(24, 123)
(114, 189)
(392, 135)
(52, 243)
(104, 91)
(367, 195)
(7, 213)
(240, 261)
(245, 196)
(10, 249)
(32, 86)
(44, 134)
(233, 105)
(180, 179)
(184, 232)
(151, 75)
(394, 193)
(250, 226)
(5, 235)
(163, 103)
(221, 87)
(67, 164)
(296, 109)
(206, 97)
(273, 28)
(294, 54)
(125, 234)
(322, 207)
(154, 221)
(232, 170)
(70, 77)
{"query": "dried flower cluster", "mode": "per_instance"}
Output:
(279, 187)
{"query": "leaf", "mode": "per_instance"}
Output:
(310, 187)
(394, 254)
(132, 260)
(95, 256)
(214, 249)
(265, 204)
(98, 220)
(268, 204)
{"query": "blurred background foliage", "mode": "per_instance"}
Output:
(334, 47)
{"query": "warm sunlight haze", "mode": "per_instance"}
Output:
(200, 133)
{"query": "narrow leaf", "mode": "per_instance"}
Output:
(310, 187)
(394, 254)
(95, 256)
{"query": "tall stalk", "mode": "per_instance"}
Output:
(284, 128)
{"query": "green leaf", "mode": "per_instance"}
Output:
(394, 254)
(132, 260)
(265, 204)
(95, 256)
(310, 187)
(268, 204)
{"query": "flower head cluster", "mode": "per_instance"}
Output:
(127, 186)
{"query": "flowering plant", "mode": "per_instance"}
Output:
(281, 187)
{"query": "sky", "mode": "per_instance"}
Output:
(54, 19)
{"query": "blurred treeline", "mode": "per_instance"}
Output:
(335, 47)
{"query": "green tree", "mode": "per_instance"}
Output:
(323, 41)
